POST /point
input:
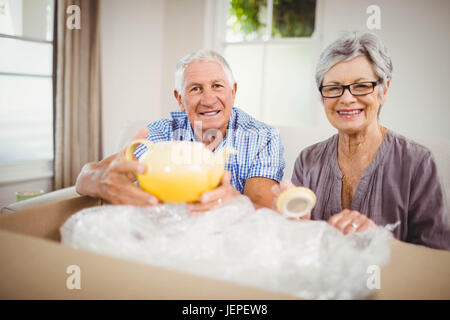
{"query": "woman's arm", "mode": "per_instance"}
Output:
(428, 219)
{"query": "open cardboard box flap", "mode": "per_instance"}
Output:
(44, 221)
(34, 264)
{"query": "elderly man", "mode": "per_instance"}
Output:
(205, 91)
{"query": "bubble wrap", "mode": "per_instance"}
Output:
(308, 259)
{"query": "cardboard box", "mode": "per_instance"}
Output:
(33, 265)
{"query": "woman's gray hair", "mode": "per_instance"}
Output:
(351, 45)
(200, 55)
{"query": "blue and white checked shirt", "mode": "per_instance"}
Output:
(259, 148)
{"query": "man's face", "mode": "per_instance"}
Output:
(207, 96)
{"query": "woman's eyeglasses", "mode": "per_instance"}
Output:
(356, 89)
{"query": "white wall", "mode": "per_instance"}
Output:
(416, 34)
(131, 55)
(183, 33)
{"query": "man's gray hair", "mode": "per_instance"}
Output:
(200, 55)
(351, 45)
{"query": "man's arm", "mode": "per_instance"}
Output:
(265, 172)
(259, 190)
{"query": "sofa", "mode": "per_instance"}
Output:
(294, 140)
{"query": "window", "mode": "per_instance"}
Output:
(26, 86)
(268, 44)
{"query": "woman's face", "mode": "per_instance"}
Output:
(347, 113)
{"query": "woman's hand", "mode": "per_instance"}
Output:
(350, 221)
(277, 190)
(210, 199)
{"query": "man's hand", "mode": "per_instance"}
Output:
(117, 184)
(113, 179)
(210, 199)
(350, 221)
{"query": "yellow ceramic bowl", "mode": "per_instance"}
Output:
(296, 202)
(179, 171)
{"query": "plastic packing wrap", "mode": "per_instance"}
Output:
(307, 259)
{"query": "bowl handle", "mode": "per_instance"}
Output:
(132, 147)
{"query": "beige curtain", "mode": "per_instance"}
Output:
(78, 100)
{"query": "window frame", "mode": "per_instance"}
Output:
(215, 38)
(21, 171)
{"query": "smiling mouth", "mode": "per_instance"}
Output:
(212, 113)
(349, 113)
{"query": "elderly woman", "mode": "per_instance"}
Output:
(366, 174)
